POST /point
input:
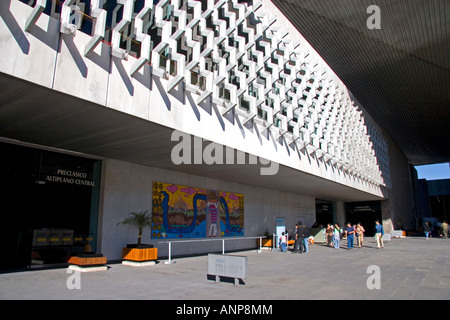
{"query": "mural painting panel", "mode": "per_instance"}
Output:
(190, 212)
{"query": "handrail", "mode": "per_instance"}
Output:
(170, 261)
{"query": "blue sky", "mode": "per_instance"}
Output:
(434, 171)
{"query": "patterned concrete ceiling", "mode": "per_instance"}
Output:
(398, 73)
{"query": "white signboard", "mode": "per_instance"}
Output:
(281, 227)
(227, 266)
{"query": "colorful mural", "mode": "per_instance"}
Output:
(188, 212)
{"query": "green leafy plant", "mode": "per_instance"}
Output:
(140, 220)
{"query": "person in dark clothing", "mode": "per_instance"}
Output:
(350, 231)
(302, 237)
(427, 229)
(306, 233)
(297, 239)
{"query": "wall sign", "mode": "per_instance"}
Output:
(58, 175)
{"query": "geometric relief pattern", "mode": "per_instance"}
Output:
(233, 54)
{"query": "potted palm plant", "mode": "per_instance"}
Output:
(139, 254)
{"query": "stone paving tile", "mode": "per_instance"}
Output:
(410, 268)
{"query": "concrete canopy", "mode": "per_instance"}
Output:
(399, 73)
(64, 122)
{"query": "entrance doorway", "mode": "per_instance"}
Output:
(324, 213)
(365, 213)
(50, 206)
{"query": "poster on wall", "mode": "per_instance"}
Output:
(189, 212)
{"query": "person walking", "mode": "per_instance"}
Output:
(360, 234)
(427, 230)
(336, 235)
(350, 233)
(379, 233)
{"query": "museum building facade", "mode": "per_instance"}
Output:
(217, 117)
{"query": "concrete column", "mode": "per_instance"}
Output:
(340, 212)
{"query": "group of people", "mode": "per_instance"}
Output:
(334, 234)
(352, 232)
(443, 229)
(301, 239)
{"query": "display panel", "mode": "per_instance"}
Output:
(191, 212)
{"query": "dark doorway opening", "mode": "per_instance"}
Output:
(365, 213)
(50, 206)
(439, 207)
(324, 213)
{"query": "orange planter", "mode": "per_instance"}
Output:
(87, 261)
(265, 242)
(140, 254)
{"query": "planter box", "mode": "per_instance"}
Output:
(264, 242)
(88, 262)
(139, 254)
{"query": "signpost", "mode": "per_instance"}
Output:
(281, 227)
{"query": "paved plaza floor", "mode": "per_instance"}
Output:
(407, 269)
